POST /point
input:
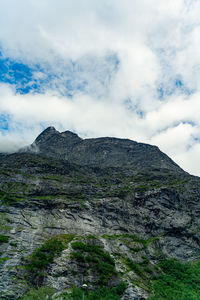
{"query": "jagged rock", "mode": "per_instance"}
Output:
(102, 152)
(135, 293)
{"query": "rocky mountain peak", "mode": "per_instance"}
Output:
(101, 152)
(50, 134)
(51, 142)
(70, 134)
(44, 135)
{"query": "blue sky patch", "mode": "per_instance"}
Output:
(91, 75)
(4, 122)
(172, 87)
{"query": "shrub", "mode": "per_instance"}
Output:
(100, 261)
(145, 261)
(42, 293)
(178, 281)
(134, 266)
(4, 238)
(105, 271)
(44, 255)
(104, 293)
(93, 249)
(78, 256)
(37, 263)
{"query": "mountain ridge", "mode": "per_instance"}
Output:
(103, 151)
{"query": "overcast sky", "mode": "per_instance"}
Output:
(102, 68)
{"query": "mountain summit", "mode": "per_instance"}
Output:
(102, 152)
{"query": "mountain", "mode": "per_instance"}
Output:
(117, 215)
(101, 152)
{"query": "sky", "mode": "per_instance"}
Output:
(127, 69)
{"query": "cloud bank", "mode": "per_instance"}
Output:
(102, 68)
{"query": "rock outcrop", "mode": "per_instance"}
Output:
(101, 152)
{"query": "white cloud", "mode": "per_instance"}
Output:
(178, 138)
(177, 109)
(188, 160)
(156, 42)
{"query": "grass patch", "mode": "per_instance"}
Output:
(9, 198)
(178, 281)
(148, 270)
(6, 228)
(91, 237)
(3, 259)
(104, 293)
(95, 259)
(93, 249)
(44, 255)
(39, 260)
(78, 256)
(42, 293)
(134, 267)
(145, 261)
(128, 238)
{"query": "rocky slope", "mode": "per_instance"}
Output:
(100, 152)
(97, 211)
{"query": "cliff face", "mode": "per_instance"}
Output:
(101, 152)
(114, 201)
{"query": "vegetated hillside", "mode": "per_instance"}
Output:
(118, 215)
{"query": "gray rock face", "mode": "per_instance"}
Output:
(136, 203)
(135, 293)
(101, 152)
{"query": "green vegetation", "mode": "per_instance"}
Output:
(37, 263)
(145, 261)
(13, 244)
(98, 260)
(3, 238)
(129, 238)
(91, 236)
(134, 266)
(168, 280)
(7, 220)
(6, 228)
(56, 177)
(118, 192)
(70, 197)
(9, 198)
(42, 293)
(143, 269)
(66, 183)
(5, 198)
(133, 237)
(5, 171)
(104, 293)
(93, 250)
(44, 255)
(3, 259)
(178, 281)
